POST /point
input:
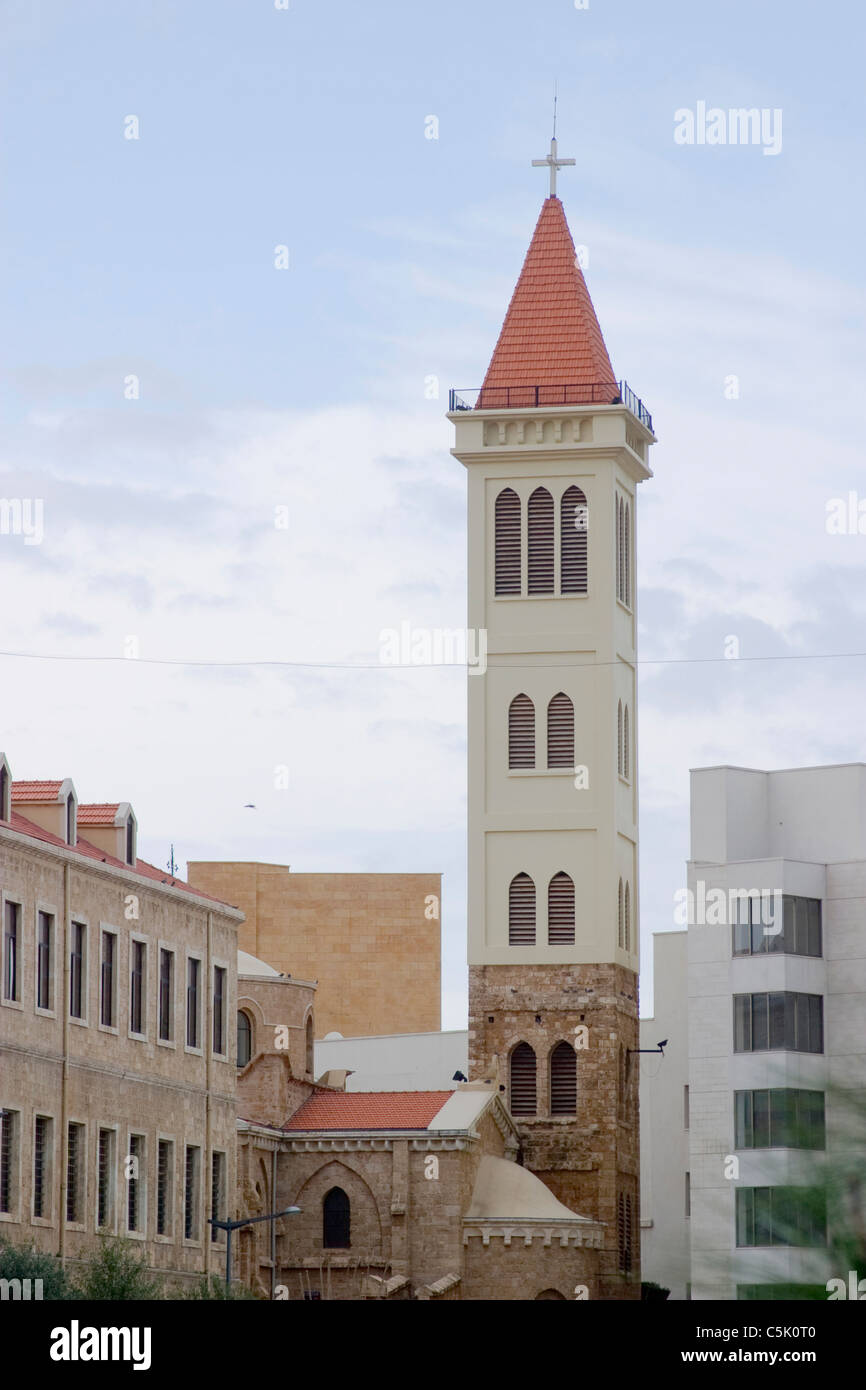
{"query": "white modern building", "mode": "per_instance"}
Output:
(396, 1061)
(776, 990)
(664, 1120)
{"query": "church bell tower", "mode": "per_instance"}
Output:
(554, 447)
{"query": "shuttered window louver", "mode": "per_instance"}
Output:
(507, 542)
(522, 1071)
(619, 917)
(619, 738)
(521, 732)
(629, 1236)
(521, 911)
(563, 1080)
(627, 917)
(626, 760)
(560, 732)
(574, 535)
(627, 554)
(540, 550)
(560, 911)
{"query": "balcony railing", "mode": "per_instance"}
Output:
(528, 397)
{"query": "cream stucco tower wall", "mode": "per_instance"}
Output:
(583, 645)
(538, 821)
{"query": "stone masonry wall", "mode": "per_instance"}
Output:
(592, 1159)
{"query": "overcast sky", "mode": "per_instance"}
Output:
(308, 389)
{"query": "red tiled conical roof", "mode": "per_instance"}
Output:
(550, 337)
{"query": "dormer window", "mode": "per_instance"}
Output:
(130, 840)
(71, 820)
(5, 792)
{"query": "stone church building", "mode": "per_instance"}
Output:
(524, 1182)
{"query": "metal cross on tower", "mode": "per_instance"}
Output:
(554, 163)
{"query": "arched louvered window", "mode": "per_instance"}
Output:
(627, 917)
(619, 917)
(245, 1038)
(619, 738)
(522, 1078)
(627, 553)
(629, 1235)
(336, 1220)
(560, 910)
(573, 537)
(560, 732)
(626, 760)
(507, 543)
(521, 911)
(620, 550)
(563, 1080)
(622, 1241)
(540, 549)
(521, 732)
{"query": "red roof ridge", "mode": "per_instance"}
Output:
(362, 1110)
(550, 335)
(22, 826)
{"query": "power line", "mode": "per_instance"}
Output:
(428, 665)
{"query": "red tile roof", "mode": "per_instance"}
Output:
(36, 791)
(23, 826)
(551, 336)
(368, 1110)
(98, 813)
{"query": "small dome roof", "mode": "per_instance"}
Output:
(506, 1192)
(251, 965)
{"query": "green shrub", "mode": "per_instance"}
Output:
(116, 1273)
(26, 1262)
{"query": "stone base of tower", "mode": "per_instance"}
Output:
(589, 1160)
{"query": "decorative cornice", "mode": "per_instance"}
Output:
(563, 1233)
(375, 1143)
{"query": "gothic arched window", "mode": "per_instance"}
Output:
(560, 910)
(507, 543)
(540, 547)
(560, 732)
(627, 917)
(521, 911)
(563, 1080)
(522, 1080)
(521, 732)
(336, 1220)
(627, 554)
(573, 533)
(626, 761)
(245, 1038)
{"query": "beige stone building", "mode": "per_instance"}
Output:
(370, 941)
(409, 1195)
(117, 1038)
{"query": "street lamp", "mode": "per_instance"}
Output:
(229, 1226)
